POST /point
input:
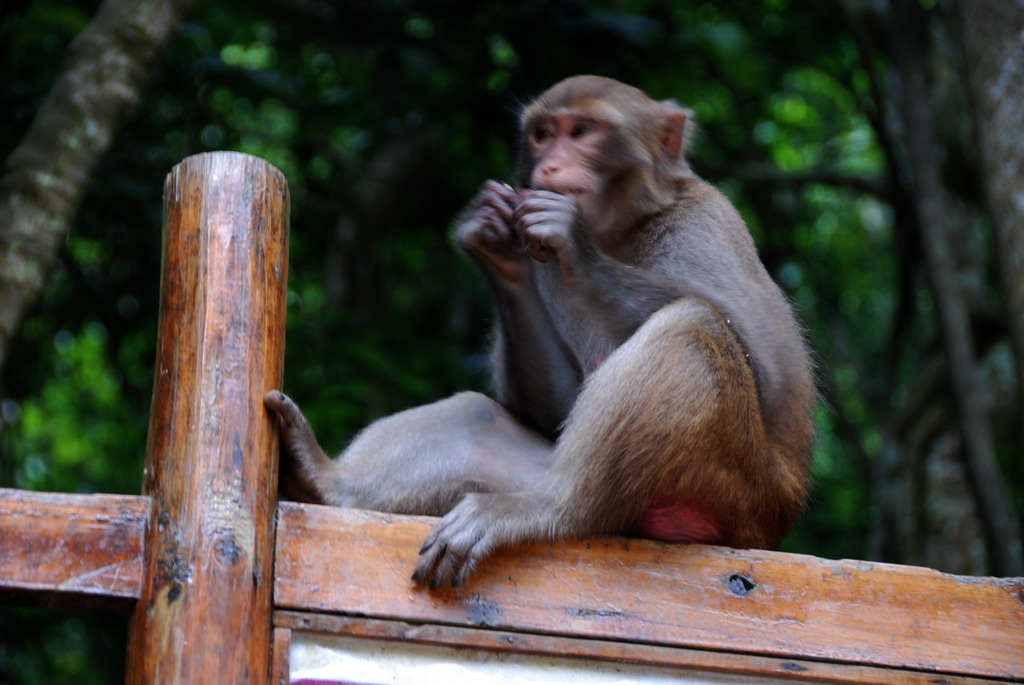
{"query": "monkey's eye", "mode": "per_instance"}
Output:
(540, 135)
(581, 129)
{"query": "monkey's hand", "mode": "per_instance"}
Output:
(545, 222)
(470, 532)
(484, 232)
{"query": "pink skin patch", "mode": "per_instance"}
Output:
(674, 521)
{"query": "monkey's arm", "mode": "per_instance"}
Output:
(623, 297)
(713, 266)
(619, 297)
(535, 375)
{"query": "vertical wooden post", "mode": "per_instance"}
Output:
(211, 468)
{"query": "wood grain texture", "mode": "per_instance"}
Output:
(781, 605)
(204, 611)
(71, 550)
(280, 660)
(686, 660)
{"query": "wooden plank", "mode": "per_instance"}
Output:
(280, 660)
(600, 650)
(211, 458)
(793, 606)
(71, 550)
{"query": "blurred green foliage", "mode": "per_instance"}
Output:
(392, 316)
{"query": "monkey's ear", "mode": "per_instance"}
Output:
(672, 136)
(676, 132)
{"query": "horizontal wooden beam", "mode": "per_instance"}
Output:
(71, 550)
(781, 605)
(87, 550)
(691, 661)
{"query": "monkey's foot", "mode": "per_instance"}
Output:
(283, 406)
(296, 433)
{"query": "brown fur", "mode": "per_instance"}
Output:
(642, 354)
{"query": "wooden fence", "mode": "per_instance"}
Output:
(228, 585)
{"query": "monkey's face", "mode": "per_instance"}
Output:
(606, 144)
(566, 147)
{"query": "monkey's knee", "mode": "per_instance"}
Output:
(425, 432)
(685, 367)
(686, 316)
(475, 408)
(693, 331)
(689, 332)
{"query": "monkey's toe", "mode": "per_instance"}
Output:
(282, 404)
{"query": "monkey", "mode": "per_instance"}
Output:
(650, 378)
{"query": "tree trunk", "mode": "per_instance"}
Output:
(992, 40)
(911, 52)
(47, 174)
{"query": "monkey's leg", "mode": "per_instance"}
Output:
(683, 434)
(671, 415)
(420, 461)
(302, 459)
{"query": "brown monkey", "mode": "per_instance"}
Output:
(651, 378)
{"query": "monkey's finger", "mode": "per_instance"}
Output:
(434, 548)
(465, 571)
(490, 218)
(552, 213)
(549, 195)
(497, 233)
(434, 536)
(425, 569)
(544, 198)
(446, 570)
(502, 193)
(422, 571)
(501, 207)
(498, 187)
(542, 217)
(431, 539)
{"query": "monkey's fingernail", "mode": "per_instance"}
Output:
(510, 188)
